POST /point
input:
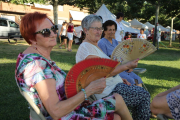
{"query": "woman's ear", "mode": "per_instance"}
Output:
(85, 30)
(33, 42)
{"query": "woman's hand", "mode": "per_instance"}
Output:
(132, 64)
(126, 82)
(96, 87)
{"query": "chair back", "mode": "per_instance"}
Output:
(35, 112)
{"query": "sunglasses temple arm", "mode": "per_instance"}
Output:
(112, 70)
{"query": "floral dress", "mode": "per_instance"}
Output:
(33, 68)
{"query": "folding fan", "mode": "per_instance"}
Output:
(132, 49)
(86, 71)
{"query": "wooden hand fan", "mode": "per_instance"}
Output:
(86, 71)
(132, 49)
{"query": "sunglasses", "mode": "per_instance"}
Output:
(47, 32)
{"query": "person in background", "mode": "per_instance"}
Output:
(142, 35)
(119, 35)
(70, 29)
(128, 36)
(63, 35)
(167, 103)
(43, 80)
(108, 44)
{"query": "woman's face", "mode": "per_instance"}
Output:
(94, 32)
(110, 32)
(45, 41)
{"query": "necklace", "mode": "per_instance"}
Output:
(35, 48)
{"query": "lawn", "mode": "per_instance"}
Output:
(163, 69)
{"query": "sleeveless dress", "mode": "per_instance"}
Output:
(33, 68)
(70, 32)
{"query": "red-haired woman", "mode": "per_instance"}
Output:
(43, 80)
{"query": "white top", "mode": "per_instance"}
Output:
(141, 36)
(86, 49)
(64, 30)
(119, 32)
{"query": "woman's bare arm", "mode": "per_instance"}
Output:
(57, 109)
(119, 68)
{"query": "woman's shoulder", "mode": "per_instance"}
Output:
(30, 60)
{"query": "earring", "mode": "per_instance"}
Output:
(35, 46)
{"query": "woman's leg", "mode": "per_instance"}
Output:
(121, 108)
(71, 44)
(65, 43)
(137, 98)
(159, 106)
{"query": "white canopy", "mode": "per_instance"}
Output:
(163, 28)
(150, 26)
(76, 15)
(126, 23)
(136, 24)
(107, 15)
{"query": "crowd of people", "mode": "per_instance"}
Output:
(43, 80)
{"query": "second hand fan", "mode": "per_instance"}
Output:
(132, 49)
(86, 71)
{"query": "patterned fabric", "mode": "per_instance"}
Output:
(108, 48)
(173, 100)
(142, 36)
(136, 98)
(33, 68)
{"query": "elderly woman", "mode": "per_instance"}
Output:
(167, 103)
(135, 97)
(108, 44)
(43, 80)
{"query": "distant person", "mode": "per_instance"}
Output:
(142, 35)
(167, 103)
(119, 35)
(128, 36)
(70, 29)
(62, 34)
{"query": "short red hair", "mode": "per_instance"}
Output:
(28, 25)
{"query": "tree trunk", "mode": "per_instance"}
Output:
(156, 21)
(55, 12)
(170, 41)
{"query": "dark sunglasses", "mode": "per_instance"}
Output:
(47, 32)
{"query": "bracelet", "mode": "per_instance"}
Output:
(84, 93)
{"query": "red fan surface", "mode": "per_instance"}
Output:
(86, 71)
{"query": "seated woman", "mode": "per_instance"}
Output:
(167, 103)
(108, 44)
(43, 80)
(135, 97)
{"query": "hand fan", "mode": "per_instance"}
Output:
(132, 49)
(86, 71)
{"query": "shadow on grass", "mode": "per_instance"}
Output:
(161, 72)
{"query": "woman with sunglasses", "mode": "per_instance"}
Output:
(70, 30)
(43, 80)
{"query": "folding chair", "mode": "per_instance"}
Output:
(35, 112)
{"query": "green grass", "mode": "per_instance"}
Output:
(163, 68)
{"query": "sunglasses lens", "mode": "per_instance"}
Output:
(54, 28)
(46, 32)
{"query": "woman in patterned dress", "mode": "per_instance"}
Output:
(167, 103)
(43, 80)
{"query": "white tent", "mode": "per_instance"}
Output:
(150, 26)
(107, 15)
(136, 24)
(126, 23)
(163, 28)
